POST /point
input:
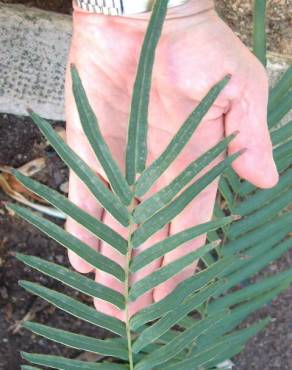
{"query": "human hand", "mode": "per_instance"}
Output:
(195, 52)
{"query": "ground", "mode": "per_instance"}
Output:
(21, 142)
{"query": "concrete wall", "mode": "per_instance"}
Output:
(33, 50)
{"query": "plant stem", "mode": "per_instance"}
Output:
(127, 286)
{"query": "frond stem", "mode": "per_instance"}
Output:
(127, 287)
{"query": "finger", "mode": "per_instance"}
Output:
(199, 211)
(108, 280)
(147, 299)
(248, 115)
(80, 195)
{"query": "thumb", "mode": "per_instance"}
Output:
(248, 115)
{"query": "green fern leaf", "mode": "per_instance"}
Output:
(74, 280)
(138, 126)
(106, 198)
(62, 363)
(93, 134)
(69, 241)
(75, 308)
(81, 342)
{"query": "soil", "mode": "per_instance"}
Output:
(21, 142)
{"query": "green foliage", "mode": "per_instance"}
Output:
(259, 36)
(166, 334)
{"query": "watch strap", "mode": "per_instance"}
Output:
(121, 7)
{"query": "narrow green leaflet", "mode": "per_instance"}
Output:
(81, 342)
(165, 273)
(159, 200)
(180, 342)
(284, 163)
(257, 236)
(151, 333)
(261, 216)
(282, 134)
(236, 317)
(106, 198)
(262, 197)
(74, 280)
(259, 31)
(201, 359)
(62, 363)
(25, 367)
(138, 126)
(224, 356)
(255, 266)
(179, 294)
(282, 108)
(169, 244)
(281, 88)
(233, 180)
(285, 149)
(245, 257)
(265, 285)
(159, 166)
(92, 131)
(69, 241)
(226, 193)
(75, 308)
(96, 227)
(163, 217)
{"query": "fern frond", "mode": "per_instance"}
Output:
(166, 334)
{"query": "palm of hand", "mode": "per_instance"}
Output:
(190, 59)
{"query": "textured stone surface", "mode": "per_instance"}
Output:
(34, 46)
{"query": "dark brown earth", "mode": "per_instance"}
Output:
(21, 142)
